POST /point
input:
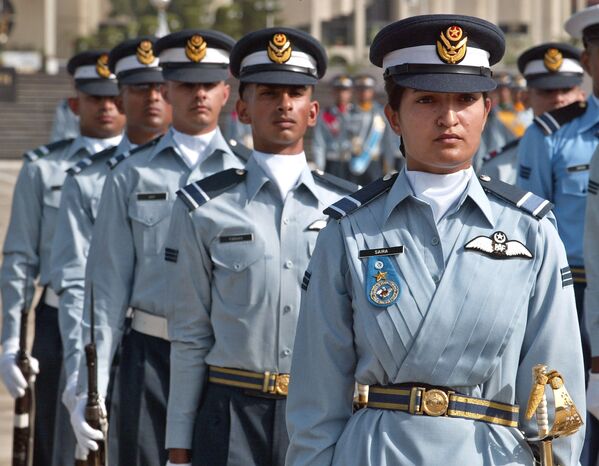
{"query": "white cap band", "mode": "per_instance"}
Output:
(178, 56)
(89, 72)
(297, 59)
(427, 55)
(568, 66)
(132, 63)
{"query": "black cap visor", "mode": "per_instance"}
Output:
(448, 82)
(98, 87)
(141, 76)
(279, 77)
(195, 73)
(554, 81)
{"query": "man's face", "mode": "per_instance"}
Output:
(196, 106)
(545, 100)
(98, 116)
(343, 95)
(364, 94)
(145, 107)
(279, 115)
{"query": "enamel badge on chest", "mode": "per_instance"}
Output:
(382, 283)
(498, 246)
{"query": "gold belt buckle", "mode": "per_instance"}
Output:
(435, 402)
(282, 384)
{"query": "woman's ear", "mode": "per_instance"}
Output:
(393, 119)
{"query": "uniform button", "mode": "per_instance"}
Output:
(286, 352)
(288, 264)
(237, 266)
(287, 309)
(286, 221)
(435, 241)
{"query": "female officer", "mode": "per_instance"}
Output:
(438, 289)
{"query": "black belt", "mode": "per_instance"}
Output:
(440, 401)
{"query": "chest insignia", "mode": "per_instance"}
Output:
(498, 246)
(382, 283)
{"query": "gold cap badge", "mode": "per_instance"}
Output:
(553, 60)
(195, 49)
(452, 46)
(102, 66)
(279, 49)
(145, 54)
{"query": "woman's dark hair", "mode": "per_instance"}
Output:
(394, 92)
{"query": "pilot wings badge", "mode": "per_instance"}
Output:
(497, 246)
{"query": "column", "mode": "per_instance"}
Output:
(51, 63)
(315, 24)
(359, 30)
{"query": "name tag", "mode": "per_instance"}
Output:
(236, 238)
(579, 168)
(151, 196)
(391, 251)
(55, 188)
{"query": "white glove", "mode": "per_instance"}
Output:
(593, 394)
(85, 434)
(11, 375)
(168, 463)
(69, 394)
(80, 453)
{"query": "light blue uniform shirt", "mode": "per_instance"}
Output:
(126, 257)
(463, 320)
(30, 231)
(591, 257)
(235, 286)
(556, 167)
(331, 139)
(76, 217)
(503, 164)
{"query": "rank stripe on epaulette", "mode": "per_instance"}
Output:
(193, 196)
(368, 193)
(593, 187)
(79, 166)
(547, 123)
(525, 200)
(116, 159)
(306, 280)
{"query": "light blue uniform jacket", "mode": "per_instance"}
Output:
(591, 257)
(31, 229)
(556, 167)
(126, 257)
(463, 320)
(76, 216)
(235, 287)
(331, 139)
(503, 164)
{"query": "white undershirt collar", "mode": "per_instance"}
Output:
(283, 170)
(192, 149)
(441, 192)
(95, 145)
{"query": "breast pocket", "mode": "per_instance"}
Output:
(51, 202)
(576, 180)
(150, 222)
(239, 270)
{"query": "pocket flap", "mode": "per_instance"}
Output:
(237, 255)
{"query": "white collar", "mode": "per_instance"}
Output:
(283, 170)
(95, 145)
(193, 148)
(441, 192)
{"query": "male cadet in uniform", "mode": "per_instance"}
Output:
(238, 245)
(126, 258)
(367, 127)
(553, 162)
(29, 238)
(148, 116)
(331, 143)
(553, 74)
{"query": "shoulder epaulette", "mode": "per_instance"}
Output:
(335, 181)
(524, 200)
(240, 150)
(41, 151)
(199, 192)
(550, 122)
(114, 161)
(494, 153)
(89, 161)
(354, 201)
